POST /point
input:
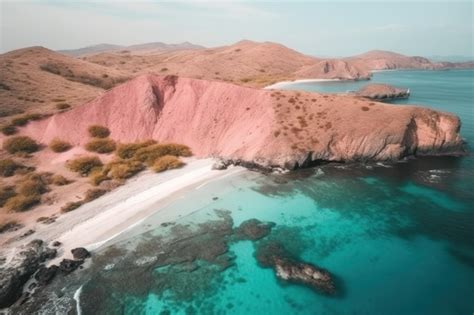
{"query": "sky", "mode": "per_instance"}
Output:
(335, 28)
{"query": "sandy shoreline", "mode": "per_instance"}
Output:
(284, 83)
(105, 218)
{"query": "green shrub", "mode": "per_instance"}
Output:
(101, 145)
(6, 192)
(84, 165)
(93, 194)
(59, 180)
(128, 150)
(8, 167)
(70, 206)
(20, 203)
(166, 162)
(9, 130)
(58, 145)
(97, 131)
(63, 106)
(20, 144)
(151, 153)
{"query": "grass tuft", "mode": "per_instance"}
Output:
(101, 145)
(97, 131)
(84, 165)
(58, 145)
(20, 144)
(167, 162)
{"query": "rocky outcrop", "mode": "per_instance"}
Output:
(80, 253)
(14, 276)
(262, 128)
(274, 255)
(382, 92)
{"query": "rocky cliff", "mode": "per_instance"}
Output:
(266, 127)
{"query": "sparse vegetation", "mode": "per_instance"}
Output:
(101, 145)
(58, 145)
(9, 130)
(20, 144)
(151, 153)
(365, 108)
(8, 167)
(21, 203)
(9, 225)
(24, 119)
(59, 180)
(6, 192)
(166, 162)
(32, 186)
(84, 165)
(63, 106)
(93, 194)
(123, 169)
(70, 206)
(97, 131)
(164, 69)
(128, 150)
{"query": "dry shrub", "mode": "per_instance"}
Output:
(24, 119)
(20, 144)
(84, 165)
(97, 131)
(98, 176)
(8, 167)
(128, 150)
(123, 169)
(58, 145)
(21, 203)
(63, 106)
(70, 206)
(32, 186)
(101, 145)
(166, 162)
(60, 180)
(151, 153)
(9, 130)
(6, 192)
(93, 194)
(9, 225)
(365, 108)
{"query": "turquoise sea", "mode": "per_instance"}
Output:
(399, 238)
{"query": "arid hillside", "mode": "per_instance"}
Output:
(38, 79)
(265, 127)
(384, 60)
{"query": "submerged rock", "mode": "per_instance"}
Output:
(69, 265)
(274, 255)
(80, 253)
(253, 230)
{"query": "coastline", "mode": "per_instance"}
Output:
(102, 220)
(284, 83)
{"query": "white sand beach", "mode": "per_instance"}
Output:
(105, 218)
(285, 83)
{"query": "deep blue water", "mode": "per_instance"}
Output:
(399, 238)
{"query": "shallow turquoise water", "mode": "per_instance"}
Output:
(399, 238)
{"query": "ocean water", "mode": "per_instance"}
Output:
(398, 238)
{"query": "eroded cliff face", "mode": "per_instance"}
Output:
(269, 128)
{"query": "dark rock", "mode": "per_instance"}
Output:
(10, 227)
(166, 224)
(22, 267)
(27, 233)
(274, 255)
(253, 230)
(220, 165)
(80, 253)
(56, 244)
(45, 274)
(69, 265)
(215, 198)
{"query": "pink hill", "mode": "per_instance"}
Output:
(269, 128)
